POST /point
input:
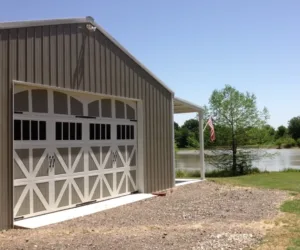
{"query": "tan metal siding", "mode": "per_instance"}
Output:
(38, 55)
(69, 56)
(6, 206)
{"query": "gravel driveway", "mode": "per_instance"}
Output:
(202, 215)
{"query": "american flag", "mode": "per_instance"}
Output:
(212, 129)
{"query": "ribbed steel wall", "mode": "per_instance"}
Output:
(69, 56)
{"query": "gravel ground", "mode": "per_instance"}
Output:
(202, 215)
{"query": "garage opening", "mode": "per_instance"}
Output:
(71, 149)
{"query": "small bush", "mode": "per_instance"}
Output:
(286, 142)
(289, 142)
(290, 170)
(278, 143)
(180, 173)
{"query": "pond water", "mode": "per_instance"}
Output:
(281, 159)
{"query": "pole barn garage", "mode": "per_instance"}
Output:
(81, 119)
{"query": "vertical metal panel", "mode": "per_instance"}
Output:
(123, 79)
(38, 55)
(151, 135)
(74, 57)
(118, 75)
(113, 73)
(92, 62)
(103, 65)
(53, 56)
(163, 138)
(60, 57)
(131, 82)
(140, 86)
(30, 55)
(6, 182)
(86, 62)
(67, 55)
(156, 141)
(46, 55)
(135, 88)
(21, 54)
(126, 85)
(80, 60)
(108, 70)
(98, 64)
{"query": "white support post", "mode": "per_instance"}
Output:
(201, 143)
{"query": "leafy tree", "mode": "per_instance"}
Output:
(281, 132)
(193, 126)
(294, 127)
(176, 126)
(236, 112)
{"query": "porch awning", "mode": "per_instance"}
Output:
(183, 106)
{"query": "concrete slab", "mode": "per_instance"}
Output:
(56, 217)
(181, 182)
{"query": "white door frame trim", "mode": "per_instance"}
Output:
(139, 126)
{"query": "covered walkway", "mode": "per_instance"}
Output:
(182, 106)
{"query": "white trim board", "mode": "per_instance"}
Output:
(186, 181)
(69, 214)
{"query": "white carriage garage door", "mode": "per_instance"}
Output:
(71, 148)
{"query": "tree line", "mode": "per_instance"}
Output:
(187, 135)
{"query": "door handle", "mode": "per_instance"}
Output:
(53, 162)
(50, 161)
(115, 156)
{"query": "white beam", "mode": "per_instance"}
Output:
(201, 143)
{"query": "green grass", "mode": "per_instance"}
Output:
(285, 180)
(292, 206)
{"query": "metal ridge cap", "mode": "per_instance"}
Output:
(32, 23)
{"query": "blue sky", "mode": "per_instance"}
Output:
(197, 46)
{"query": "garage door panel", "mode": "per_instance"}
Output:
(107, 158)
(82, 151)
(94, 187)
(20, 193)
(63, 197)
(40, 162)
(21, 160)
(19, 170)
(121, 182)
(39, 199)
(133, 160)
(132, 181)
(107, 185)
(94, 159)
(77, 157)
(23, 204)
(61, 161)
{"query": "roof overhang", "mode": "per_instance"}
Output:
(84, 20)
(182, 106)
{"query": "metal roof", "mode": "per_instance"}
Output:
(88, 19)
(183, 106)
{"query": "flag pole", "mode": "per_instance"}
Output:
(205, 127)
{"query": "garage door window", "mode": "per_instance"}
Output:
(100, 131)
(27, 130)
(125, 132)
(68, 131)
